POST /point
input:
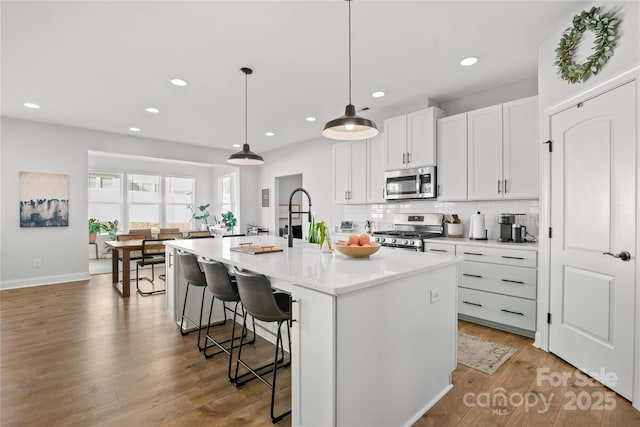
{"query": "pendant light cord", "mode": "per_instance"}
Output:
(349, 1)
(246, 102)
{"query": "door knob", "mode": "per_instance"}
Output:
(624, 255)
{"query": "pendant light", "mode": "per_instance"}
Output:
(350, 127)
(245, 157)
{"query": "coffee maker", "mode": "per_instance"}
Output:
(506, 222)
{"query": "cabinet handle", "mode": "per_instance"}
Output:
(472, 303)
(170, 256)
(512, 312)
(499, 186)
(512, 257)
(472, 253)
(408, 157)
(437, 250)
(472, 275)
(505, 186)
(438, 189)
(513, 281)
(404, 158)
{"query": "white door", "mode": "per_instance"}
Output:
(593, 195)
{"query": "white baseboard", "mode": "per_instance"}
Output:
(44, 280)
(428, 406)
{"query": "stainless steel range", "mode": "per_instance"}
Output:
(409, 230)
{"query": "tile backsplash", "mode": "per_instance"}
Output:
(382, 214)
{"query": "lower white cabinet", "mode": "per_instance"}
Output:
(440, 248)
(497, 287)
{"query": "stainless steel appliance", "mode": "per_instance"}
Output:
(415, 183)
(409, 231)
(506, 221)
(518, 231)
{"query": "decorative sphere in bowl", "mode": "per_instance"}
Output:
(356, 251)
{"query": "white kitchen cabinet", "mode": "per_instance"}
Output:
(497, 287)
(411, 139)
(375, 171)
(484, 150)
(520, 148)
(452, 157)
(350, 172)
(502, 151)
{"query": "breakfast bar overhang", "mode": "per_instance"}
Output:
(374, 339)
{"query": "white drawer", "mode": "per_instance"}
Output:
(440, 248)
(507, 310)
(519, 257)
(503, 279)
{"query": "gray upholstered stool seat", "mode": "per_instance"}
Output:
(259, 300)
(223, 287)
(194, 277)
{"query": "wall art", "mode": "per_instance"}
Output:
(44, 199)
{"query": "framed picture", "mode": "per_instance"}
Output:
(44, 200)
(284, 211)
(265, 197)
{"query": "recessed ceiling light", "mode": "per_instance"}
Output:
(236, 145)
(468, 61)
(269, 133)
(134, 129)
(378, 94)
(178, 82)
(31, 105)
(310, 119)
(152, 110)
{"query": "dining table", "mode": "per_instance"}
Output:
(126, 247)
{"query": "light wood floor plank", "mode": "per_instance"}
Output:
(77, 354)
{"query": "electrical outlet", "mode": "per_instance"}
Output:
(435, 295)
(37, 263)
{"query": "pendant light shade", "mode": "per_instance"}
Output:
(245, 157)
(350, 127)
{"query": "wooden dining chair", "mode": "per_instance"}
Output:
(169, 230)
(172, 235)
(145, 231)
(199, 234)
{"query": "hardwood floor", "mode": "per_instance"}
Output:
(76, 354)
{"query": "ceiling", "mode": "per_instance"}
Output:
(98, 65)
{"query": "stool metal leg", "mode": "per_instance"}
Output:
(198, 325)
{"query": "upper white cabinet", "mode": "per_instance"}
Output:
(375, 171)
(484, 148)
(452, 157)
(502, 151)
(520, 148)
(350, 172)
(411, 139)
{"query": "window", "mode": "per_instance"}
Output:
(227, 194)
(178, 202)
(144, 200)
(105, 195)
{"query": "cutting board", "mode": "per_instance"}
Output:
(250, 248)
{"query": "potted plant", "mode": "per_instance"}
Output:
(111, 227)
(203, 215)
(95, 227)
(228, 220)
(319, 233)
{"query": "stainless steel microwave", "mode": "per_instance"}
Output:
(416, 183)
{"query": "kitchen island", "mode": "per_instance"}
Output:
(374, 340)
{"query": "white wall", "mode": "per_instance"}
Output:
(313, 160)
(39, 147)
(554, 90)
(497, 95)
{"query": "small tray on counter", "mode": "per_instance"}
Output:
(250, 248)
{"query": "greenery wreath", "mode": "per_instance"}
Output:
(604, 27)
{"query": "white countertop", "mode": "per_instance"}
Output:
(307, 266)
(484, 243)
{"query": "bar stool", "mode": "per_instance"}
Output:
(262, 303)
(195, 277)
(223, 287)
